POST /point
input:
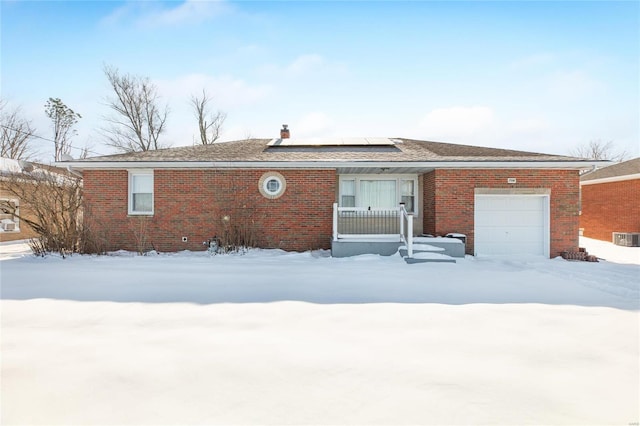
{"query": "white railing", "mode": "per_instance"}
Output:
(408, 236)
(373, 224)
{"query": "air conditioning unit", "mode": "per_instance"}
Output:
(627, 239)
(8, 225)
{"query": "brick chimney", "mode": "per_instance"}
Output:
(284, 132)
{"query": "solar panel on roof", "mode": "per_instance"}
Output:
(332, 142)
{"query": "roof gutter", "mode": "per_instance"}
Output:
(101, 165)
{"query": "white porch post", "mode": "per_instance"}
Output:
(401, 217)
(335, 221)
(410, 235)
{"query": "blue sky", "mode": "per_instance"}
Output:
(539, 76)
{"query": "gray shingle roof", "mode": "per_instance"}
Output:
(257, 150)
(625, 168)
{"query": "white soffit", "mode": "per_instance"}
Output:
(332, 142)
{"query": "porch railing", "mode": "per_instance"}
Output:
(373, 223)
(407, 237)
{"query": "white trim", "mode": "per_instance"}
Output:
(332, 164)
(143, 172)
(546, 217)
(610, 179)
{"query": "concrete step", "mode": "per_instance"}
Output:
(451, 246)
(412, 260)
(420, 256)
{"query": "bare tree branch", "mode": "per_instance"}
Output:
(209, 124)
(15, 133)
(596, 149)
(138, 121)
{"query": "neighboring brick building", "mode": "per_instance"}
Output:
(17, 188)
(611, 200)
(11, 227)
(504, 201)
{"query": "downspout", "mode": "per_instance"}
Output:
(70, 170)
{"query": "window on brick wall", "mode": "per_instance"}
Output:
(379, 191)
(141, 192)
(272, 185)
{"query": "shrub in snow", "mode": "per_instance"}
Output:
(51, 205)
(237, 233)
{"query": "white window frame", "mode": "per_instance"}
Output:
(14, 218)
(263, 185)
(132, 174)
(397, 177)
(268, 190)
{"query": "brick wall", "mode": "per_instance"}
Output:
(610, 207)
(429, 203)
(450, 194)
(193, 203)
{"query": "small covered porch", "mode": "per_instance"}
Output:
(359, 230)
(367, 230)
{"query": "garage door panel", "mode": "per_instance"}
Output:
(522, 235)
(510, 225)
(514, 235)
(522, 249)
(529, 218)
(513, 219)
(503, 205)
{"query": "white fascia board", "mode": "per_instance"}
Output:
(610, 179)
(571, 165)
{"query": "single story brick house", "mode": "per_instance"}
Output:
(611, 200)
(296, 194)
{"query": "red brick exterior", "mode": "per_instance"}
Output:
(610, 207)
(449, 196)
(192, 204)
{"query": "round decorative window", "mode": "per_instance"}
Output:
(272, 185)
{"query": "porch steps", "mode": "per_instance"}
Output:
(431, 258)
(425, 249)
(428, 253)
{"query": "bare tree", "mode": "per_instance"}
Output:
(63, 119)
(596, 149)
(137, 121)
(209, 123)
(247, 134)
(15, 133)
(84, 152)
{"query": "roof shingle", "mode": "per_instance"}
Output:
(630, 167)
(258, 150)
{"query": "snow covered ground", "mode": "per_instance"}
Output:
(301, 338)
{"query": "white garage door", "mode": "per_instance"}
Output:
(511, 225)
